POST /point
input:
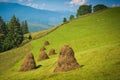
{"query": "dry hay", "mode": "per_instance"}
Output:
(43, 55)
(52, 52)
(66, 60)
(46, 43)
(29, 63)
(42, 48)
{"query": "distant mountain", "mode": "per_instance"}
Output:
(32, 15)
(38, 27)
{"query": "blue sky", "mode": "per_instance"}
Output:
(62, 5)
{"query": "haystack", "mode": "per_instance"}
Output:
(46, 43)
(42, 48)
(43, 55)
(66, 60)
(29, 63)
(52, 52)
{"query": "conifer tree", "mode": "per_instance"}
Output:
(3, 33)
(10, 34)
(24, 27)
(3, 28)
(15, 32)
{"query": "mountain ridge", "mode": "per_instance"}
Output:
(32, 15)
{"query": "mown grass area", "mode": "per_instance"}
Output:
(98, 64)
(96, 41)
(9, 58)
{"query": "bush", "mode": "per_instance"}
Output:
(84, 9)
(99, 7)
(71, 17)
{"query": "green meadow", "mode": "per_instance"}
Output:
(95, 39)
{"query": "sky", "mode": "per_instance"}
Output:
(62, 5)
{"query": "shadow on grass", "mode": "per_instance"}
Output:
(82, 66)
(38, 66)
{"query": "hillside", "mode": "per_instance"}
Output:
(95, 39)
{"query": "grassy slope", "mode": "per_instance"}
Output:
(9, 58)
(96, 41)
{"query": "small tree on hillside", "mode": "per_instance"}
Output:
(99, 7)
(71, 17)
(84, 9)
(64, 20)
(29, 37)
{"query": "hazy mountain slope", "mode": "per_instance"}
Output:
(32, 15)
(38, 27)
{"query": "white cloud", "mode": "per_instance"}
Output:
(77, 2)
(33, 5)
(25, 0)
(42, 6)
(116, 5)
(29, 0)
(20, 0)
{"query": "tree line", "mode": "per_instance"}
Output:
(12, 33)
(86, 9)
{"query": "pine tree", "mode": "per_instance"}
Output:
(3, 33)
(24, 27)
(3, 28)
(10, 34)
(15, 31)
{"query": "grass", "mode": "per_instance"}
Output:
(95, 39)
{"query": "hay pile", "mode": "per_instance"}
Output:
(43, 55)
(66, 60)
(42, 48)
(46, 43)
(29, 63)
(52, 52)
